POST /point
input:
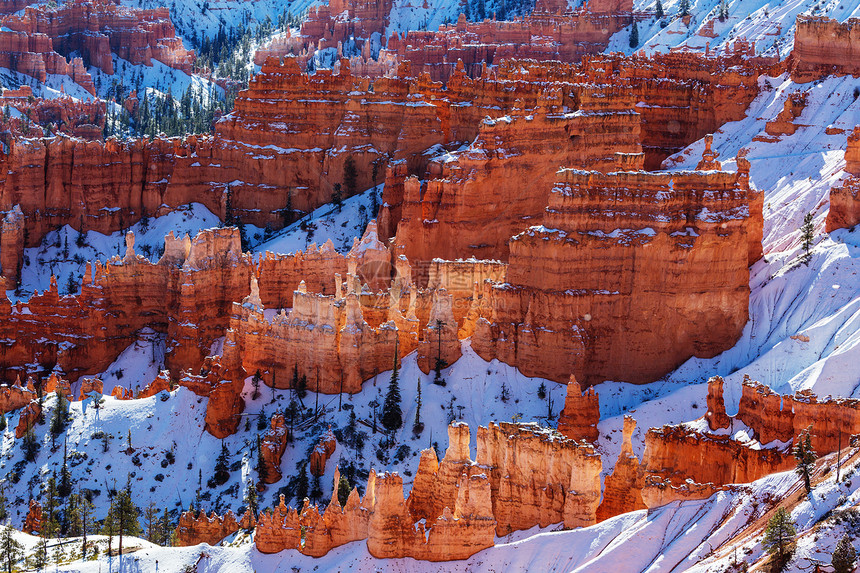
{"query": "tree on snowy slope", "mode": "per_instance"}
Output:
(11, 551)
(392, 416)
(844, 556)
(779, 537)
(805, 456)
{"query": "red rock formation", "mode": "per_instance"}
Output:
(578, 420)
(622, 491)
(658, 491)
(441, 346)
(28, 418)
(845, 198)
(272, 448)
(193, 530)
(322, 452)
(524, 476)
(160, 384)
(95, 28)
(32, 53)
(784, 124)
(823, 46)
(716, 414)
(33, 521)
(579, 289)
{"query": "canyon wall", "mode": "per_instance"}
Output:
(823, 46)
(586, 287)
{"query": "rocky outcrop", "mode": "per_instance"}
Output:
(272, 448)
(524, 476)
(784, 124)
(716, 415)
(33, 521)
(622, 490)
(581, 295)
(823, 46)
(28, 418)
(323, 450)
(205, 529)
(845, 198)
(578, 420)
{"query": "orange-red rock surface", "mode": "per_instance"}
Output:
(578, 420)
(33, 521)
(824, 46)
(524, 476)
(845, 198)
(622, 490)
(210, 529)
(582, 289)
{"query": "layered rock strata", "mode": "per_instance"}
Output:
(845, 198)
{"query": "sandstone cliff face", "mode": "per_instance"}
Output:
(33, 521)
(202, 529)
(588, 274)
(845, 198)
(823, 46)
(322, 452)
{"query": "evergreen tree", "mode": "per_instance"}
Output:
(262, 469)
(659, 10)
(167, 529)
(779, 536)
(222, 465)
(684, 8)
(255, 382)
(634, 35)
(302, 485)
(350, 176)
(316, 489)
(392, 416)
(228, 208)
(844, 556)
(11, 551)
(337, 196)
(4, 513)
(251, 498)
(2, 422)
(302, 387)
(60, 418)
(807, 232)
(805, 456)
(152, 522)
(343, 490)
(65, 486)
(40, 555)
(262, 421)
(418, 425)
(50, 524)
(30, 446)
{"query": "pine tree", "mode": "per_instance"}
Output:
(779, 536)
(2, 422)
(343, 489)
(11, 551)
(65, 486)
(634, 35)
(151, 521)
(228, 207)
(262, 421)
(392, 416)
(255, 382)
(40, 555)
(316, 489)
(807, 234)
(350, 176)
(166, 529)
(844, 556)
(337, 196)
(251, 498)
(4, 513)
(302, 485)
(805, 456)
(60, 418)
(30, 446)
(262, 469)
(659, 10)
(418, 425)
(222, 465)
(684, 8)
(50, 525)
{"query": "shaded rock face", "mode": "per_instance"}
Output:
(823, 46)
(622, 491)
(845, 198)
(524, 476)
(578, 420)
(584, 292)
(33, 521)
